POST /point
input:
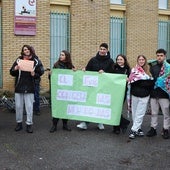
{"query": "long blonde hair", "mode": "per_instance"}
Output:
(145, 67)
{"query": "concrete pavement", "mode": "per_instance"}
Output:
(78, 150)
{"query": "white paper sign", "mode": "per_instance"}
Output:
(26, 65)
(65, 79)
(103, 99)
(89, 111)
(89, 80)
(70, 95)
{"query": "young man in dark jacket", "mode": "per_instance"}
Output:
(102, 62)
(159, 98)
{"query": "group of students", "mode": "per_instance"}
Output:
(142, 87)
(150, 83)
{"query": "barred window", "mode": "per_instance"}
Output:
(117, 36)
(164, 36)
(59, 35)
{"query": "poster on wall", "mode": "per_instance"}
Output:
(25, 17)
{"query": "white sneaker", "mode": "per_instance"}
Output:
(82, 125)
(100, 126)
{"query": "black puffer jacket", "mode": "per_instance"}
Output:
(63, 65)
(121, 70)
(98, 62)
(158, 92)
(142, 88)
(24, 82)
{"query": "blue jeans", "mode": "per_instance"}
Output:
(36, 97)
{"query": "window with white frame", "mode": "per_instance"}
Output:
(164, 36)
(116, 1)
(163, 4)
(59, 35)
(117, 36)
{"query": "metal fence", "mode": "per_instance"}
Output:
(59, 34)
(9, 103)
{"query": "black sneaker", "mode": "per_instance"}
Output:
(116, 130)
(29, 129)
(139, 133)
(65, 127)
(132, 134)
(18, 127)
(165, 134)
(53, 129)
(151, 132)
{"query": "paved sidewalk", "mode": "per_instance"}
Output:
(78, 150)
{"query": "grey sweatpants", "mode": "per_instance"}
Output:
(139, 106)
(164, 104)
(20, 100)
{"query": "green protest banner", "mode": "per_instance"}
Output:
(87, 96)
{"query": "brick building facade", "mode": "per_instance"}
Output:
(142, 29)
(89, 20)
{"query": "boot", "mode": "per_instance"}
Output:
(54, 126)
(65, 126)
(124, 124)
(29, 129)
(165, 133)
(18, 127)
(152, 132)
(116, 130)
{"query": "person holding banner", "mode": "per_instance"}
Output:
(25, 69)
(121, 67)
(160, 94)
(102, 62)
(141, 84)
(64, 62)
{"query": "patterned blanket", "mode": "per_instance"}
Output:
(164, 80)
(137, 73)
